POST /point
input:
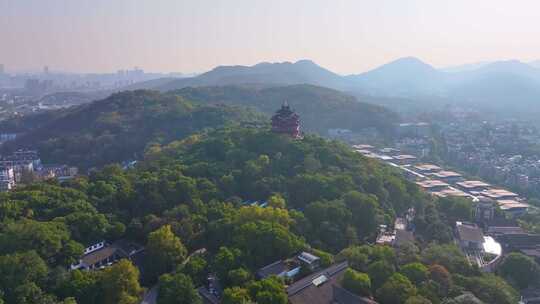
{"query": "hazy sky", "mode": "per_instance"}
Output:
(347, 36)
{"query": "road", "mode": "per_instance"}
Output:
(150, 297)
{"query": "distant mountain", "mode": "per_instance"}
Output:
(117, 128)
(403, 77)
(500, 84)
(535, 64)
(503, 82)
(464, 67)
(269, 74)
(319, 108)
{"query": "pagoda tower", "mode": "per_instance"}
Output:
(285, 121)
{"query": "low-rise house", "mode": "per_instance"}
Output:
(283, 269)
(427, 168)
(324, 287)
(502, 226)
(527, 244)
(513, 207)
(484, 209)
(60, 172)
(447, 176)
(289, 268)
(102, 254)
(403, 159)
(385, 237)
(309, 260)
(451, 192)
(469, 235)
(499, 194)
(432, 185)
(473, 185)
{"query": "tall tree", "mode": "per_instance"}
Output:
(120, 284)
(520, 269)
(177, 289)
(164, 250)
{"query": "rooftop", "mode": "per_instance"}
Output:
(498, 193)
(431, 183)
(446, 174)
(275, 268)
(427, 167)
(469, 232)
(470, 184)
(308, 257)
(404, 157)
(320, 288)
(363, 147)
(451, 192)
(511, 204)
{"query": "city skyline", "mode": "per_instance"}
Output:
(179, 36)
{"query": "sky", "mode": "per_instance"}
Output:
(345, 36)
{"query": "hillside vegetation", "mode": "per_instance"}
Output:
(322, 197)
(319, 108)
(117, 128)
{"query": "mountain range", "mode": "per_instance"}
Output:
(499, 83)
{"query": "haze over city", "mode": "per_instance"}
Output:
(194, 36)
(269, 152)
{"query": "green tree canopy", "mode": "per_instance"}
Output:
(520, 269)
(357, 282)
(164, 250)
(396, 290)
(177, 289)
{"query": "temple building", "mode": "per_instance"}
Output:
(285, 121)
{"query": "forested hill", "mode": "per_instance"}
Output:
(322, 198)
(319, 108)
(117, 128)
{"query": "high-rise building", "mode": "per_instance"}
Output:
(46, 69)
(2, 68)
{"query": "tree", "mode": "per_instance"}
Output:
(177, 289)
(357, 256)
(417, 300)
(84, 286)
(448, 256)
(165, 250)
(365, 209)
(491, 289)
(235, 295)
(262, 242)
(30, 293)
(120, 283)
(239, 276)
(46, 238)
(277, 201)
(225, 260)
(416, 272)
(268, 291)
(520, 269)
(18, 269)
(396, 290)
(196, 269)
(407, 253)
(357, 282)
(442, 277)
(379, 272)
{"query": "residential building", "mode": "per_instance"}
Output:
(102, 254)
(324, 287)
(7, 178)
(469, 236)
